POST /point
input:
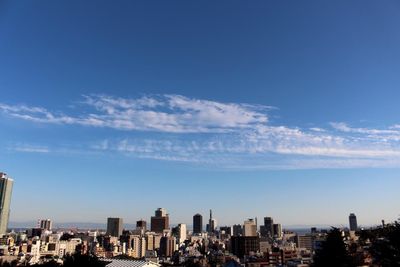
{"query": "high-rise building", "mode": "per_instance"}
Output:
(226, 230)
(167, 246)
(114, 226)
(250, 228)
(181, 237)
(353, 222)
(141, 225)
(237, 230)
(197, 224)
(212, 224)
(277, 227)
(243, 245)
(135, 244)
(268, 227)
(46, 224)
(160, 221)
(152, 240)
(161, 212)
(6, 185)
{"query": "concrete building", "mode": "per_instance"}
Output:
(244, 245)
(353, 222)
(182, 233)
(167, 246)
(227, 230)
(6, 185)
(141, 225)
(135, 245)
(114, 226)
(269, 227)
(277, 230)
(305, 242)
(46, 225)
(237, 230)
(160, 221)
(152, 241)
(197, 224)
(249, 228)
(212, 224)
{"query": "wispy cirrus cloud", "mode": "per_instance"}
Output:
(165, 113)
(271, 147)
(29, 148)
(389, 134)
(223, 134)
(341, 126)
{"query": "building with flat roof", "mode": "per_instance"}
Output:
(6, 186)
(244, 245)
(46, 224)
(160, 221)
(250, 228)
(114, 226)
(353, 222)
(197, 224)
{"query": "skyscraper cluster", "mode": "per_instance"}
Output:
(162, 241)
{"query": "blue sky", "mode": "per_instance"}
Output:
(286, 109)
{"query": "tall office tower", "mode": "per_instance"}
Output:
(212, 224)
(250, 228)
(269, 226)
(263, 232)
(244, 245)
(153, 240)
(141, 225)
(181, 235)
(197, 224)
(114, 226)
(277, 230)
(167, 246)
(6, 185)
(237, 230)
(46, 224)
(160, 221)
(161, 212)
(227, 230)
(209, 228)
(353, 222)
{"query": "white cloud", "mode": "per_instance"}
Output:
(166, 113)
(222, 134)
(345, 128)
(316, 129)
(29, 148)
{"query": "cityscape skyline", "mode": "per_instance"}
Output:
(249, 110)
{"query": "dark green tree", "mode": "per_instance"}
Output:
(8, 264)
(48, 264)
(81, 260)
(333, 252)
(385, 248)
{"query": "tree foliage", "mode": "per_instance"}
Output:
(334, 252)
(385, 247)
